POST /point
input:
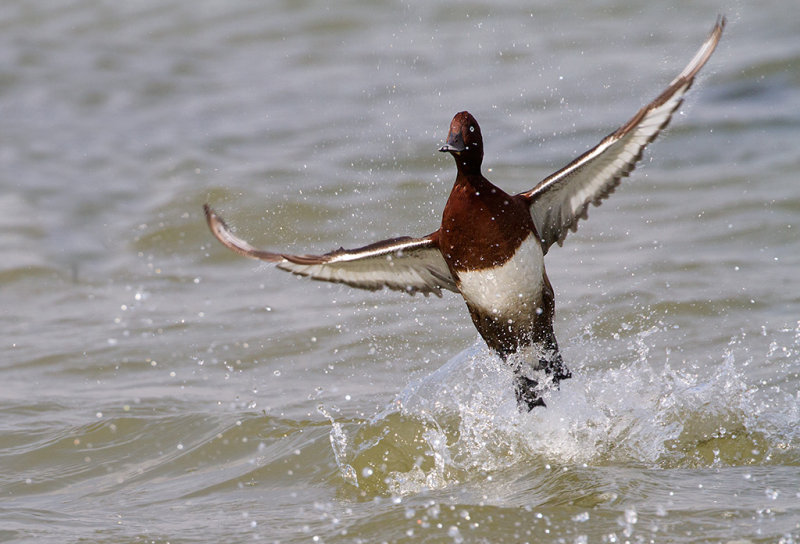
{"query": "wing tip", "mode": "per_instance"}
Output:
(209, 213)
(216, 224)
(704, 53)
(222, 232)
(720, 24)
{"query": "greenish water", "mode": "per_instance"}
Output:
(154, 387)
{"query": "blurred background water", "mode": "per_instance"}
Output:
(155, 387)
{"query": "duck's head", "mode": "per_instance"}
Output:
(465, 142)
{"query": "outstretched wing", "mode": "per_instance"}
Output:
(560, 200)
(403, 264)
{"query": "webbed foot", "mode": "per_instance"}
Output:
(528, 391)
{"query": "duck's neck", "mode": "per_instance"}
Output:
(473, 180)
(468, 166)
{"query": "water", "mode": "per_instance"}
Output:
(157, 388)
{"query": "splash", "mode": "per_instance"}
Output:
(339, 445)
(462, 422)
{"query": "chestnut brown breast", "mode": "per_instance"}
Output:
(482, 225)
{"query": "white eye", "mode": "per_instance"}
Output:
(472, 128)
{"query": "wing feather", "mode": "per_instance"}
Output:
(563, 198)
(403, 264)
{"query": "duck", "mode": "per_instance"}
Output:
(491, 244)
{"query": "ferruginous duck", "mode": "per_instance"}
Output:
(491, 245)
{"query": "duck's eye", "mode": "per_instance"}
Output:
(472, 128)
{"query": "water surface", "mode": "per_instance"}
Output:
(157, 388)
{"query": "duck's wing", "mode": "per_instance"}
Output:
(413, 265)
(561, 199)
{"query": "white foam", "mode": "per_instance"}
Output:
(465, 421)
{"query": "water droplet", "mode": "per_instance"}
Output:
(772, 494)
(583, 516)
(455, 534)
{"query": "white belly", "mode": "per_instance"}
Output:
(508, 290)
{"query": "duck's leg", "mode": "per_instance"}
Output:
(550, 362)
(525, 344)
(527, 393)
(528, 390)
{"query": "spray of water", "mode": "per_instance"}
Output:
(462, 421)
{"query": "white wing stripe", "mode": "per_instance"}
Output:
(404, 264)
(560, 200)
